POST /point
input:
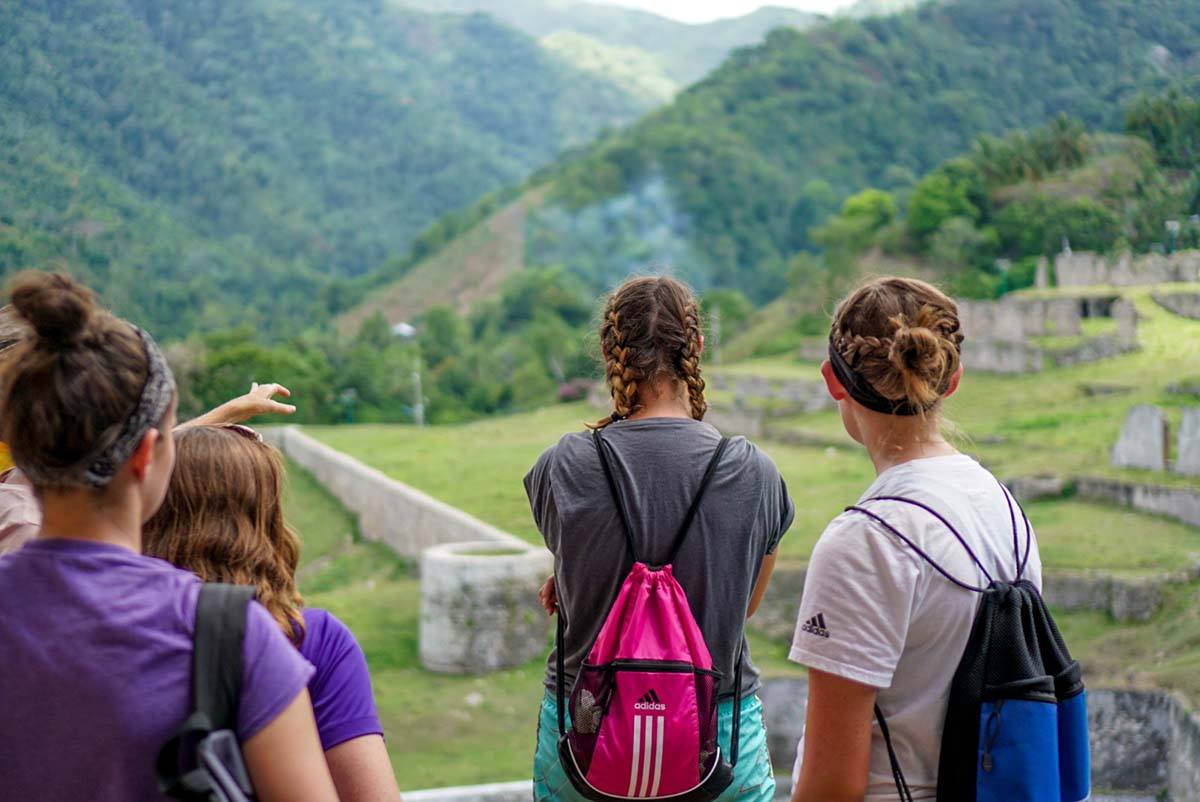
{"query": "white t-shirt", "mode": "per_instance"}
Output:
(875, 612)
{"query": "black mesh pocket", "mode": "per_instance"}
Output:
(589, 702)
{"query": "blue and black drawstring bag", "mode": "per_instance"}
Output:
(1016, 727)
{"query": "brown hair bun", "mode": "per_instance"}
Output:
(919, 355)
(902, 336)
(57, 308)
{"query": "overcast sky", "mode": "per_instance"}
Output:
(704, 10)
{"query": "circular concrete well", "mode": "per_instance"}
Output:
(479, 607)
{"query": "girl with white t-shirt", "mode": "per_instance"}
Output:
(878, 625)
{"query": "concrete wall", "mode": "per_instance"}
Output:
(1180, 503)
(391, 512)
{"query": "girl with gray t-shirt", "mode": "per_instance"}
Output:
(651, 342)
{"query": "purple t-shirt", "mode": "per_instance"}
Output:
(95, 670)
(341, 687)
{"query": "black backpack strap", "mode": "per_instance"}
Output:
(560, 665)
(1014, 505)
(686, 526)
(216, 688)
(924, 556)
(618, 499)
(897, 774)
(735, 729)
(217, 654)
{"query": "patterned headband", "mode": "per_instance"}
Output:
(114, 449)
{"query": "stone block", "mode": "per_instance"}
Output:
(479, 607)
(1187, 459)
(1143, 441)
(1125, 313)
(1042, 275)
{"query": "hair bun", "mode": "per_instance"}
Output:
(918, 353)
(55, 306)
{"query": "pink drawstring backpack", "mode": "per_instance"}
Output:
(644, 706)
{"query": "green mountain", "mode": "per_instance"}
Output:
(190, 158)
(641, 50)
(725, 184)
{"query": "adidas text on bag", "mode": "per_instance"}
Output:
(1016, 725)
(644, 706)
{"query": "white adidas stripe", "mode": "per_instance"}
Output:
(647, 756)
(645, 768)
(637, 742)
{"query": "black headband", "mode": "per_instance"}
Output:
(861, 390)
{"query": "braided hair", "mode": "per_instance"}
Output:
(903, 336)
(651, 331)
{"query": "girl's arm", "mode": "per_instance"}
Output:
(362, 770)
(760, 587)
(837, 740)
(285, 760)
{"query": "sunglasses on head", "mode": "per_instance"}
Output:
(243, 431)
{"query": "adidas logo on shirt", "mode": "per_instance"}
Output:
(649, 701)
(816, 626)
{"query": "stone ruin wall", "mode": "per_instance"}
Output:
(1085, 269)
(999, 334)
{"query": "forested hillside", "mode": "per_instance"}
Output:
(205, 163)
(603, 37)
(727, 182)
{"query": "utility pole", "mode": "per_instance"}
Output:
(418, 395)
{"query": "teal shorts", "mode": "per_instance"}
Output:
(753, 780)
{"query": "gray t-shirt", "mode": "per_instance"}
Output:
(658, 464)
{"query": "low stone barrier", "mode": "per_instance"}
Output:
(402, 517)
(1179, 503)
(479, 607)
(1184, 304)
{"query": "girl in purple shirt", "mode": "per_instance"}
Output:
(223, 520)
(96, 638)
